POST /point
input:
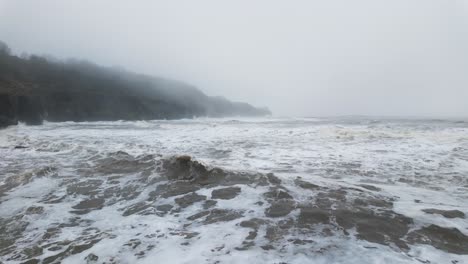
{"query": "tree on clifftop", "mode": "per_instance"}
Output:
(4, 49)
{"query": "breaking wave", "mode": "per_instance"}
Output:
(267, 192)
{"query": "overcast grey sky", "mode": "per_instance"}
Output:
(308, 58)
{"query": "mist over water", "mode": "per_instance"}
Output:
(306, 58)
(141, 132)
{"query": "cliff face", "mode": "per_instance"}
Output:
(35, 89)
(8, 110)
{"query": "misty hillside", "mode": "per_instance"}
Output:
(34, 88)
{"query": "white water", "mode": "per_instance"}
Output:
(409, 160)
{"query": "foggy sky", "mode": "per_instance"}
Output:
(303, 58)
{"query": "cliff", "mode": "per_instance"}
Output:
(34, 89)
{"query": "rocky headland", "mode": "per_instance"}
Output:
(34, 89)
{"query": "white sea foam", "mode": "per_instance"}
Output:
(420, 164)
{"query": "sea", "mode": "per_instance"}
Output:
(235, 190)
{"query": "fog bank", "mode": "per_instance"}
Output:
(308, 58)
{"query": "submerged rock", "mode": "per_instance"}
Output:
(277, 194)
(88, 187)
(222, 215)
(35, 210)
(446, 213)
(189, 199)
(209, 203)
(122, 163)
(225, 193)
(88, 205)
(311, 215)
(273, 179)
(175, 188)
(164, 208)
(379, 227)
(306, 185)
(280, 208)
(137, 208)
(447, 239)
(96, 203)
(253, 223)
(198, 215)
(370, 187)
(91, 258)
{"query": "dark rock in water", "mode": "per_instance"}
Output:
(47, 170)
(332, 195)
(71, 250)
(198, 215)
(20, 147)
(189, 199)
(175, 188)
(300, 241)
(310, 215)
(378, 227)
(33, 251)
(247, 179)
(273, 179)
(245, 245)
(31, 261)
(11, 229)
(137, 208)
(306, 185)
(91, 258)
(123, 163)
(14, 181)
(280, 208)
(129, 192)
(86, 206)
(95, 203)
(190, 235)
(89, 187)
(35, 210)
(268, 247)
(209, 203)
(184, 168)
(372, 201)
(253, 223)
(279, 231)
(164, 208)
(447, 239)
(446, 213)
(222, 215)
(133, 243)
(225, 193)
(325, 211)
(277, 194)
(370, 187)
(252, 235)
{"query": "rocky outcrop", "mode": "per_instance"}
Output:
(260, 211)
(445, 213)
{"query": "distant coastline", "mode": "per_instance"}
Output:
(35, 89)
